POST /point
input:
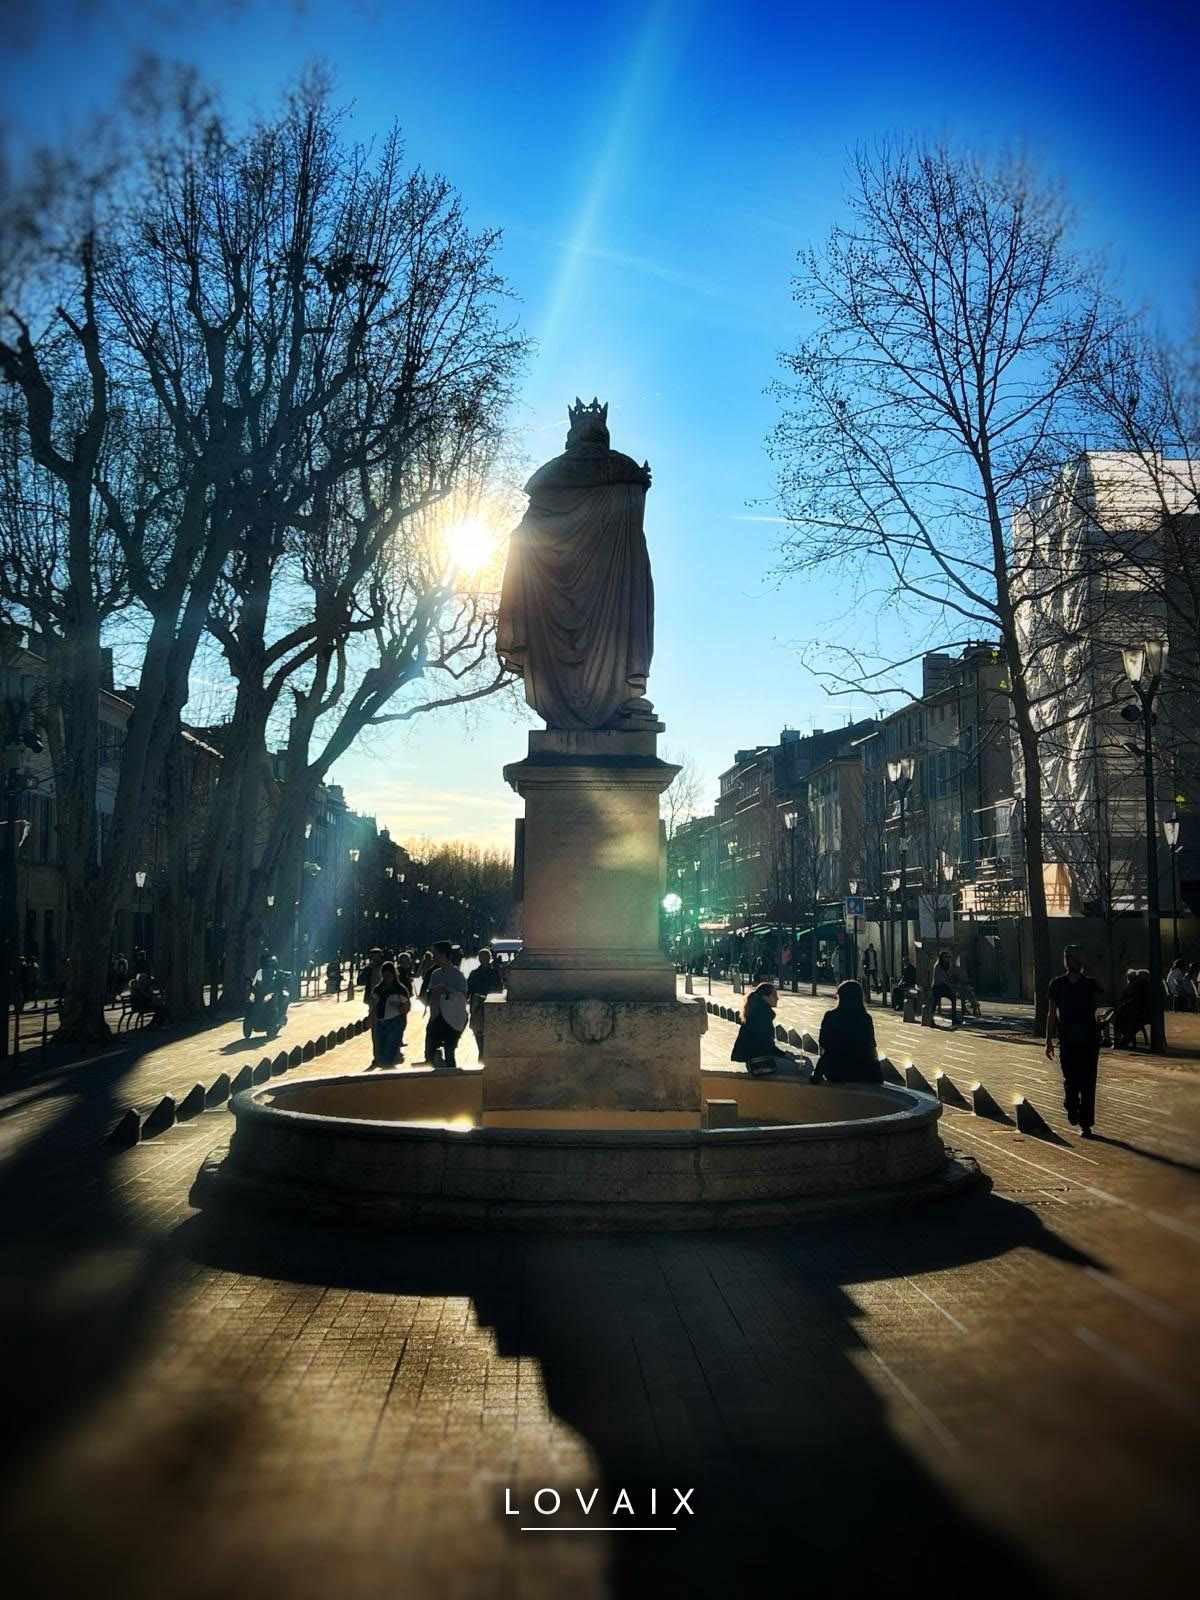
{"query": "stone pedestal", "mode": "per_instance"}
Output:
(591, 1019)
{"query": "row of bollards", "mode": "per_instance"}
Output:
(943, 1088)
(137, 1124)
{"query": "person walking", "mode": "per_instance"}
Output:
(870, 969)
(847, 1041)
(404, 969)
(1071, 1012)
(370, 978)
(447, 999)
(391, 1001)
(486, 979)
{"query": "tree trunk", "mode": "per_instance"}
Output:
(180, 960)
(85, 981)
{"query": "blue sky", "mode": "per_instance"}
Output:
(655, 167)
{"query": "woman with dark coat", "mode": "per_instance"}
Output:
(755, 1042)
(847, 1040)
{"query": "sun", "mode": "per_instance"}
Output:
(470, 544)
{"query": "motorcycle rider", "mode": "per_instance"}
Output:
(268, 997)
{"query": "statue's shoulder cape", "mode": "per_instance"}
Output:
(584, 468)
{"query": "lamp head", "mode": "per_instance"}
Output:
(1156, 659)
(1134, 661)
(1171, 831)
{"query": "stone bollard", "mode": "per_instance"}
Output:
(307, 1053)
(910, 1007)
(948, 1092)
(161, 1118)
(262, 1071)
(320, 1047)
(795, 1039)
(193, 1102)
(218, 1091)
(720, 1113)
(128, 1131)
(341, 1036)
(1030, 1120)
(295, 1056)
(984, 1106)
(781, 1033)
(243, 1080)
(915, 1079)
(331, 1039)
(687, 984)
(809, 1044)
(280, 1064)
(891, 1073)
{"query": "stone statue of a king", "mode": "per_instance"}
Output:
(577, 606)
(589, 1021)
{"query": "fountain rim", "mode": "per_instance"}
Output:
(918, 1110)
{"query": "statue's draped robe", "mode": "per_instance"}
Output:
(577, 606)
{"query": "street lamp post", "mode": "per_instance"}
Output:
(852, 885)
(900, 775)
(1171, 835)
(355, 930)
(731, 848)
(1144, 668)
(789, 821)
(139, 879)
(696, 940)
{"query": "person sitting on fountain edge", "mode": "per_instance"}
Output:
(755, 1042)
(847, 1040)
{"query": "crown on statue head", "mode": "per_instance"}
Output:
(580, 410)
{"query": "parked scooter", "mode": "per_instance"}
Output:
(266, 1010)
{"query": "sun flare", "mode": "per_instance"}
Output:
(471, 544)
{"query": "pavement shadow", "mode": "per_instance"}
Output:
(727, 1363)
(238, 1047)
(79, 1279)
(1150, 1155)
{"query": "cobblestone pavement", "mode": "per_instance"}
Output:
(997, 1391)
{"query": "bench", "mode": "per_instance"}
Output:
(132, 1008)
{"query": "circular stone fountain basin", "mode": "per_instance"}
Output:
(414, 1147)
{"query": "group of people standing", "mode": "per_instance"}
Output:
(453, 1001)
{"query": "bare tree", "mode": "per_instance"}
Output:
(682, 797)
(273, 353)
(953, 322)
(1141, 507)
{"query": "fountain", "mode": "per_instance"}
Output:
(592, 1109)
